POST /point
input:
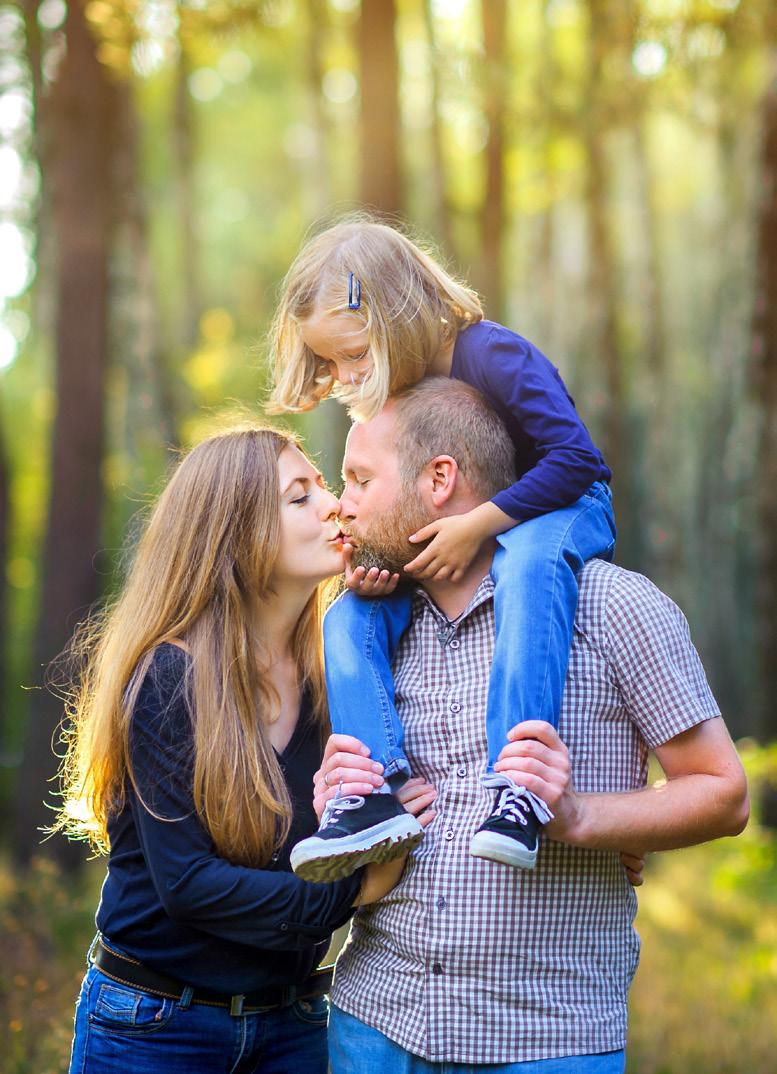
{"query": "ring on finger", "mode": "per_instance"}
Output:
(326, 779)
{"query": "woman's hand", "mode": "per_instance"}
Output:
(634, 866)
(367, 583)
(416, 795)
(346, 764)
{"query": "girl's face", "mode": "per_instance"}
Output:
(340, 340)
(311, 544)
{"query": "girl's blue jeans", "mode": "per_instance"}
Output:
(119, 1028)
(535, 572)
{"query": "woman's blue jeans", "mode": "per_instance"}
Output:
(535, 598)
(120, 1029)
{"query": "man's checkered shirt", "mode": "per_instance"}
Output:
(470, 961)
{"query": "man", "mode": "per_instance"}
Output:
(468, 962)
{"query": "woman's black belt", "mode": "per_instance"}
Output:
(129, 971)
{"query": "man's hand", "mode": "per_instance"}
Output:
(536, 758)
(455, 541)
(367, 583)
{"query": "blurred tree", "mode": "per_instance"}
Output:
(184, 157)
(381, 181)
(764, 364)
(494, 223)
(441, 208)
(80, 141)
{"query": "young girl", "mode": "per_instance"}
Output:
(365, 313)
(198, 726)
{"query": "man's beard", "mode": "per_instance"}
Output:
(385, 544)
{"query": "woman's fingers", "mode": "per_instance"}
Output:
(345, 744)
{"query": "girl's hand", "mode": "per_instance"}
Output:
(372, 583)
(455, 541)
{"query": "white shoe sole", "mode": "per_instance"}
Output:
(494, 847)
(325, 860)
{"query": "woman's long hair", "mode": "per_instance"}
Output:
(207, 553)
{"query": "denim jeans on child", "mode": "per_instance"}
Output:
(535, 597)
(356, 1048)
(119, 1028)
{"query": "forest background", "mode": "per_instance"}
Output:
(605, 173)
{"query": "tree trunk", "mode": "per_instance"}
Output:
(494, 16)
(764, 364)
(381, 185)
(183, 144)
(81, 170)
(441, 207)
(318, 185)
(603, 287)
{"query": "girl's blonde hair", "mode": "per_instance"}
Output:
(207, 553)
(410, 306)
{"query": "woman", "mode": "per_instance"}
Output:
(197, 729)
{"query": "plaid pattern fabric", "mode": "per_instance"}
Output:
(469, 961)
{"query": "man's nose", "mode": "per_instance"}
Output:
(346, 506)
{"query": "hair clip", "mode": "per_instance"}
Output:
(354, 304)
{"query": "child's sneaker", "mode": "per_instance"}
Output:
(511, 833)
(353, 832)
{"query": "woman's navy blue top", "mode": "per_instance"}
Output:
(555, 457)
(171, 901)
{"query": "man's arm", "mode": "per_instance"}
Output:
(704, 795)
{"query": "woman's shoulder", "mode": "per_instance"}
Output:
(163, 674)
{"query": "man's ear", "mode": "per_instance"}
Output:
(441, 475)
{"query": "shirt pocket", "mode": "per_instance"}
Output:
(124, 1010)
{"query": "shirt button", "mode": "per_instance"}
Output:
(437, 969)
(441, 903)
(461, 771)
(455, 643)
(284, 927)
(455, 706)
(449, 834)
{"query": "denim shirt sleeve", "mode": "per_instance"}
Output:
(519, 380)
(259, 907)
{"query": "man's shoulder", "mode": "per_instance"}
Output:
(615, 600)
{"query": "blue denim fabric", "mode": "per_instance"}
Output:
(535, 573)
(356, 1048)
(118, 1028)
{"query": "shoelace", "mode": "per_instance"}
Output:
(337, 805)
(512, 806)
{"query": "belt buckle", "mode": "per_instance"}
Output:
(236, 1005)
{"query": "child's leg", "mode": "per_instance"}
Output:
(360, 639)
(535, 599)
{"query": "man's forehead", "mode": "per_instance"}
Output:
(368, 441)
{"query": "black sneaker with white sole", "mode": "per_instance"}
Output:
(355, 831)
(511, 833)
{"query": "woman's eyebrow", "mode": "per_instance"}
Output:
(295, 481)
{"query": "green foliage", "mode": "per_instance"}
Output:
(705, 995)
(47, 922)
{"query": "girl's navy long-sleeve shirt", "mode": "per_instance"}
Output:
(171, 901)
(556, 459)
